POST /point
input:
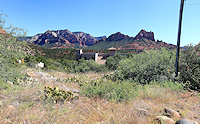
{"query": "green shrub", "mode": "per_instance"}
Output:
(190, 67)
(84, 66)
(108, 89)
(54, 64)
(30, 61)
(6, 88)
(77, 79)
(4, 85)
(168, 84)
(147, 66)
(112, 62)
(122, 90)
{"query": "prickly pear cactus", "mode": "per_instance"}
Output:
(57, 94)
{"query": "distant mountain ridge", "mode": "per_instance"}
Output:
(66, 39)
(62, 39)
(143, 40)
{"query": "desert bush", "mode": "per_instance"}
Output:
(147, 66)
(168, 84)
(125, 90)
(30, 61)
(159, 65)
(190, 67)
(77, 79)
(49, 63)
(27, 81)
(82, 66)
(5, 86)
(112, 62)
(108, 89)
(54, 64)
(70, 66)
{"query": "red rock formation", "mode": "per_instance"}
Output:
(2, 31)
(145, 34)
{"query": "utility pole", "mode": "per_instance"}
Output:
(179, 36)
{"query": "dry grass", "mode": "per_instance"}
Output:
(26, 106)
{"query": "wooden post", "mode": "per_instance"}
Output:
(179, 36)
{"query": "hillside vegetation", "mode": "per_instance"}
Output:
(130, 44)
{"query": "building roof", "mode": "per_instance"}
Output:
(112, 48)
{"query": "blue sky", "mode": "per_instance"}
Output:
(106, 17)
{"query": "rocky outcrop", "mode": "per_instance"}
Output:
(170, 115)
(101, 37)
(117, 36)
(163, 120)
(185, 121)
(145, 34)
(34, 38)
(86, 39)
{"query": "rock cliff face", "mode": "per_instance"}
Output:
(64, 37)
(47, 38)
(145, 34)
(86, 39)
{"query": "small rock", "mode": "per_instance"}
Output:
(69, 89)
(6, 121)
(2, 97)
(172, 113)
(11, 108)
(163, 120)
(185, 121)
(9, 82)
(75, 96)
(15, 103)
(31, 74)
(143, 112)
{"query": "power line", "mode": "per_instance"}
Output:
(192, 3)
